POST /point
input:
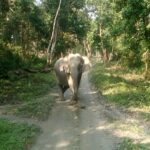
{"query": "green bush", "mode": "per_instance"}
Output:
(9, 61)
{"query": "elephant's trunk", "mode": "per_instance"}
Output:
(74, 84)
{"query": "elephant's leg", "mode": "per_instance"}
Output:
(76, 87)
(61, 92)
(75, 97)
(63, 88)
(79, 79)
(73, 87)
(75, 93)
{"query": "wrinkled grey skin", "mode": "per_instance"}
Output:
(68, 71)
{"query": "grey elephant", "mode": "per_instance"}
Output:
(68, 72)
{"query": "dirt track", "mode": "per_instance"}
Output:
(91, 125)
(81, 127)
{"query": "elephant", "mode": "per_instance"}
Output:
(68, 72)
(87, 63)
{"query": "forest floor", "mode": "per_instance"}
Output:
(91, 124)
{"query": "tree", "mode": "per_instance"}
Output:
(122, 27)
(72, 24)
(52, 42)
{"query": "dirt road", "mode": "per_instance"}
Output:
(80, 127)
(88, 126)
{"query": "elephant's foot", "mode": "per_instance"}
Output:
(73, 102)
(74, 98)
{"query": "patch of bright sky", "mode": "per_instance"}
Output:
(92, 14)
(38, 2)
(91, 10)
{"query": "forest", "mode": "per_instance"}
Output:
(84, 26)
(113, 34)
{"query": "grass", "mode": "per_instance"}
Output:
(16, 136)
(31, 94)
(25, 89)
(37, 109)
(27, 95)
(122, 86)
(128, 144)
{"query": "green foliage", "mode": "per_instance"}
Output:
(8, 61)
(27, 88)
(36, 85)
(128, 144)
(28, 25)
(4, 7)
(30, 93)
(39, 108)
(16, 136)
(113, 84)
(122, 27)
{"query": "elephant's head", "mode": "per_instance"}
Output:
(65, 68)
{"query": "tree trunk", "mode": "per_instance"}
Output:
(146, 60)
(87, 48)
(52, 42)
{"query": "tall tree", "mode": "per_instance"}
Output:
(52, 42)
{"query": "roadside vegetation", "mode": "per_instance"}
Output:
(122, 86)
(127, 89)
(16, 136)
(29, 96)
(24, 94)
(128, 144)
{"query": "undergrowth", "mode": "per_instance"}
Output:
(30, 95)
(16, 136)
(128, 144)
(14, 91)
(121, 86)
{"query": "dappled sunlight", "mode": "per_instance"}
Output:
(146, 141)
(118, 71)
(112, 91)
(53, 94)
(58, 132)
(132, 76)
(122, 87)
(103, 127)
(86, 131)
(118, 88)
(59, 145)
(85, 90)
(73, 108)
(48, 146)
(144, 109)
(62, 144)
